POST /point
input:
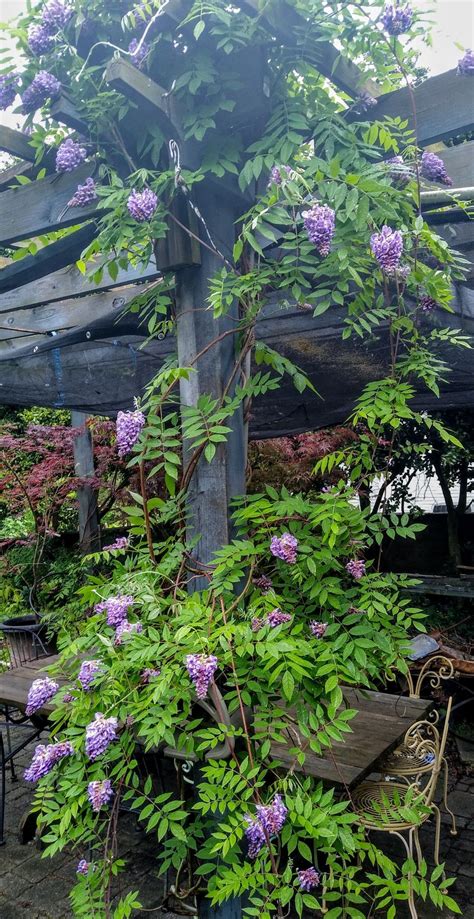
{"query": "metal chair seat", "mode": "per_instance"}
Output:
(378, 805)
(407, 761)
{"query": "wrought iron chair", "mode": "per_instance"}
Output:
(403, 761)
(388, 807)
(24, 643)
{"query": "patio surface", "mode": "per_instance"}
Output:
(32, 887)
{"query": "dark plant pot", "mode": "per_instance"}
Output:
(25, 638)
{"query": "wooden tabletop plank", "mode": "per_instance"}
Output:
(15, 683)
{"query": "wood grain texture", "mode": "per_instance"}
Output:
(64, 111)
(141, 89)
(53, 257)
(89, 533)
(459, 162)
(16, 143)
(14, 684)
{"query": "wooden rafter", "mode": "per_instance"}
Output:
(53, 257)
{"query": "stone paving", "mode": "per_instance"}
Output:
(32, 887)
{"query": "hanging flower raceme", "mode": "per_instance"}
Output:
(126, 628)
(427, 304)
(45, 758)
(116, 608)
(257, 624)
(40, 40)
(100, 733)
(120, 543)
(44, 86)
(40, 692)
(396, 19)
(88, 672)
(268, 822)
(308, 879)
(398, 170)
(70, 155)
(99, 794)
(466, 64)
(265, 584)
(84, 867)
(128, 429)
(284, 547)
(433, 169)
(138, 52)
(201, 669)
(387, 247)
(276, 617)
(356, 568)
(8, 89)
(55, 15)
(84, 194)
(320, 225)
(149, 674)
(276, 174)
(142, 204)
(318, 629)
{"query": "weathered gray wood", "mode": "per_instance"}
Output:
(41, 206)
(16, 143)
(89, 536)
(67, 283)
(8, 176)
(15, 683)
(179, 249)
(444, 107)
(53, 257)
(136, 86)
(459, 162)
(64, 111)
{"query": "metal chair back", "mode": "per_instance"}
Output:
(24, 643)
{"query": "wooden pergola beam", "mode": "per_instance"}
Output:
(41, 206)
(64, 111)
(122, 76)
(16, 144)
(53, 257)
(459, 162)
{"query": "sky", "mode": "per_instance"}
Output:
(453, 23)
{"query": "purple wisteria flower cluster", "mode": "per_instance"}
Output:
(466, 64)
(8, 89)
(356, 568)
(320, 225)
(398, 170)
(84, 194)
(83, 867)
(201, 669)
(257, 624)
(142, 204)
(433, 169)
(427, 304)
(44, 86)
(40, 39)
(128, 428)
(265, 584)
(318, 629)
(149, 674)
(116, 608)
(70, 155)
(276, 174)
(308, 878)
(284, 547)
(138, 54)
(396, 19)
(100, 793)
(54, 17)
(387, 248)
(268, 822)
(276, 617)
(40, 692)
(45, 758)
(120, 543)
(127, 628)
(88, 672)
(100, 733)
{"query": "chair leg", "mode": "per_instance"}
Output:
(9, 743)
(437, 832)
(2, 791)
(409, 850)
(419, 854)
(453, 829)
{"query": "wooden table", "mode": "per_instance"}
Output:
(377, 729)
(15, 683)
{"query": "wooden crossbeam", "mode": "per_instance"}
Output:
(53, 257)
(136, 86)
(40, 207)
(64, 111)
(444, 107)
(16, 143)
(68, 283)
(459, 162)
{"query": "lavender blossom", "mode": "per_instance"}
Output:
(88, 672)
(127, 628)
(276, 177)
(68, 697)
(120, 543)
(45, 758)
(142, 204)
(398, 170)
(99, 734)
(116, 608)
(8, 89)
(40, 40)
(84, 194)
(265, 584)
(387, 247)
(268, 822)
(138, 55)
(364, 102)
(83, 867)
(44, 86)
(257, 624)
(201, 669)
(318, 629)
(255, 836)
(320, 225)
(284, 547)
(276, 617)
(466, 64)
(128, 429)
(70, 155)
(433, 169)
(356, 567)
(99, 793)
(149, 674)
(308, 879)
(427, 304)
(56, 15)
(396, 19)
(41, 691)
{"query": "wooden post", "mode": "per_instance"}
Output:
(89, 539)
